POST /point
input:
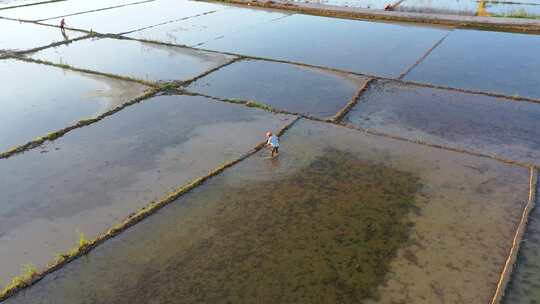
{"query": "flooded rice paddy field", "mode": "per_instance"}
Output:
(415, 197)
(31, 109)
(330, 220)
(144, 61)
(205, 28)
(474, 60)
(4, 4)
(473, 7)
(120, 20)
(525, 287)
(492, 125)
(496, 8)
(336, 43)
(18, 36)
(370, 4)
(95, 176)
(303, 90)
(61, 8)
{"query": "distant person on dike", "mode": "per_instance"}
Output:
(273, 142)
(62, 24)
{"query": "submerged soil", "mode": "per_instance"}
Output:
(323, 233)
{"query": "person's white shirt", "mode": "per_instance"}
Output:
(273, 141)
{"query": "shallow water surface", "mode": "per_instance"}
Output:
(135, 17)
(194, 31)
(134, 59)
(95, 176)
(11, 3)
(61, 8)
(20, 36)
(287, 87)
(498, 62)
(524, 287)
(471, 7)
(30, 108)
(352, 45)
(489, 125)
(373, 4)
(339, 217)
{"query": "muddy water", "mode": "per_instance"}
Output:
(524, 288)
(350, 45)
(18, 36)
(205, 28)
(134, 59)
(93, 177)
(282, 86)
(506, 63)
(61, 8)
(492, 126)
(339, 217)
(135, 17)
(30, 108)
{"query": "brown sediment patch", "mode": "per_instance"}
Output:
(86, 246)
(516, 242)
(81, 123)
(323, 233)
(66, 66)
(354, 100)
(489, 23)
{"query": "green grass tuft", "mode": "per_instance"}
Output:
(255, 104)
(29, 272)
(520, 13)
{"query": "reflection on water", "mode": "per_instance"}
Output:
(38, 99)
(135, 17)
(20, 36)
(373, 4)
(524, 287)
(59, 8)
(93, 177)
(301, 90)
(324, 233)
(473, 7)
(134, 59)
(497, 62)
(194, 31)
(489, 125)
(339, 217)
(350, 45)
